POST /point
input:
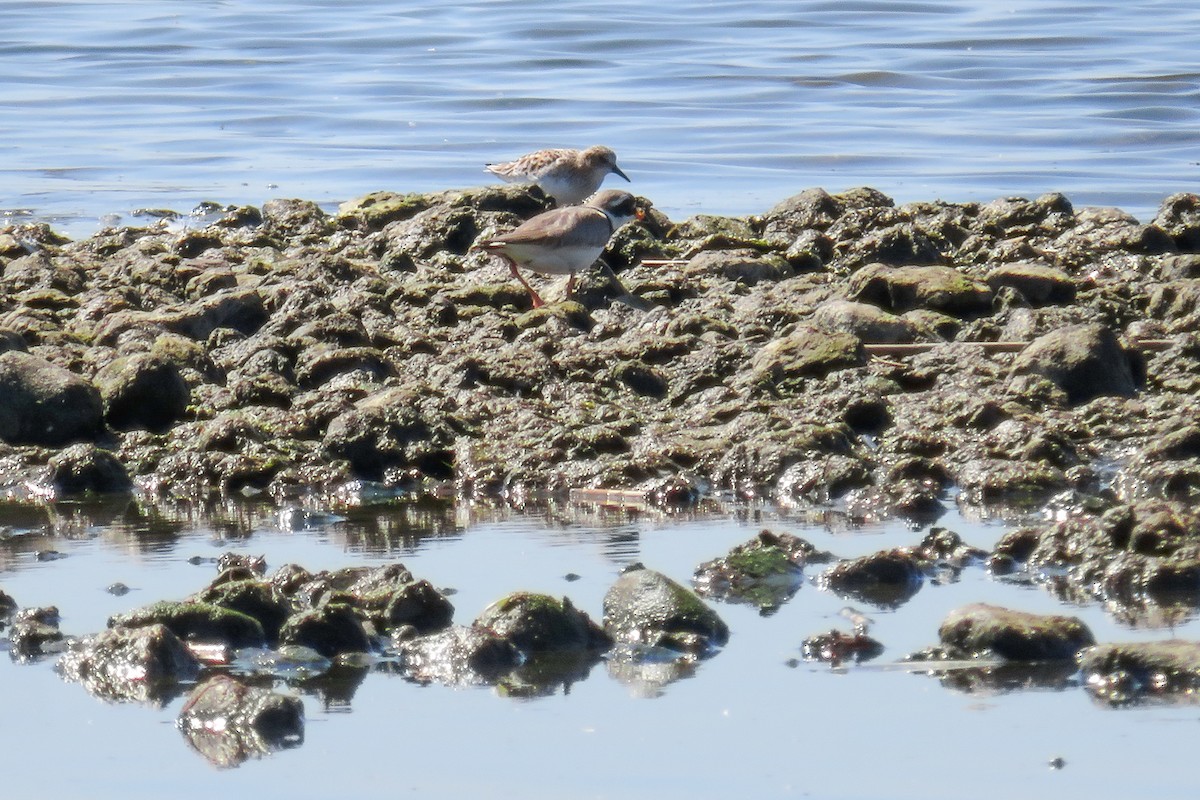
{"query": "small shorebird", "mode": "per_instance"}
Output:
(569, 176)
(564, 240)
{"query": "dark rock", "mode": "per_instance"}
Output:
(646, 607)
(85, 468)
(983, 631)
(330, 630)
(888, 578)
(783, 364)
(1038, 284)
(228, 721)
(537, 623)
(143, 664)
(142, 391)
(41, 403)
(1085, 361)
(254, 598)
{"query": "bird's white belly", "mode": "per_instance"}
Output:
(559, 260)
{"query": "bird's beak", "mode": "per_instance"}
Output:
(640, 213)
(617, 170)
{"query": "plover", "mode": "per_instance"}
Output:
(569, 176)
(564, 240)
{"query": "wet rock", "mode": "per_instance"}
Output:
(142, 665)
(868, 322)
(459, 656)
(538, 623)
(1137, 672)
(34, 632)
(887, 578)
(646, 607)
(44, 404)
(1038, 284)
(254, 598)
(823, 479)
(1179, 217)
(228, 721)
(386, 430)
(331, 629)
(197, 622)
(412, 602)
(85, 468)
(142, 391)
(935, 288)
(765, 571)
(746, 267)
(1085, 361)
(985, 631)
(784, 364)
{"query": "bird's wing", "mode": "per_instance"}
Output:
(585, 226)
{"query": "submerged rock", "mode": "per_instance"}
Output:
(648, 608)
(34, 632)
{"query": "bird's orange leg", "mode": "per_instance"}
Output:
(571, 284)
(537, 300)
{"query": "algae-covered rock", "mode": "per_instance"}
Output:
(193, 621)
(254, 598)
(228, 721)
(143, 664)
(765, 571)
(41, 403)
(647, 607)
(837, 647)
(538, 623)
(1038, 284)
(980, 630)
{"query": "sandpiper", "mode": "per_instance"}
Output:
(569, 176)
(564, 240)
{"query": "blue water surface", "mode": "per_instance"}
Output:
(110, 107)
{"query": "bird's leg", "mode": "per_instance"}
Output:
(537, 300)
(571, 284)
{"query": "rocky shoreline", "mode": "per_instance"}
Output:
(288, 352)
(836, 351)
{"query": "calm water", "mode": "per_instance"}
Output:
(747, 724)
(107, 107)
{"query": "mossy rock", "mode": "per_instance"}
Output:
(194, 621)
